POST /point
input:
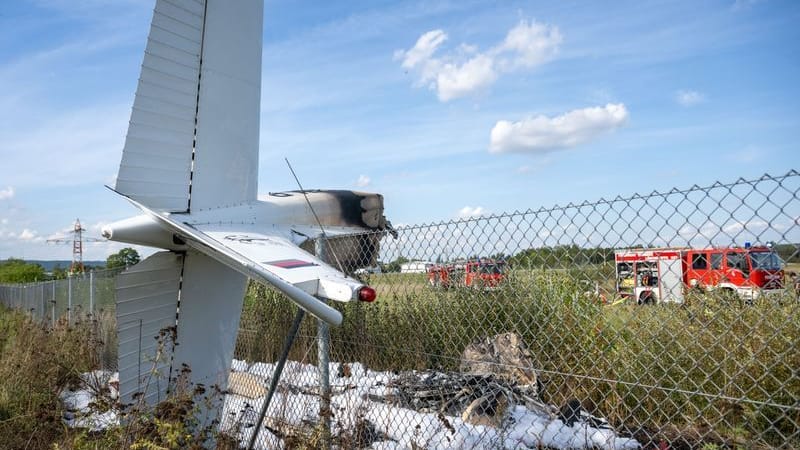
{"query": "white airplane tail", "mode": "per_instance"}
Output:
(190, 163)
(192, 144)
(196, 110)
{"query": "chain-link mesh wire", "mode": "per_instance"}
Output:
(664, 320)
(82, 297)
(541, 328)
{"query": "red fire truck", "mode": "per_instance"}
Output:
(481, 274)
(664, 274)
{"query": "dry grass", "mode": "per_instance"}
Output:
(717, 370)
(709, 364)
(37, 364)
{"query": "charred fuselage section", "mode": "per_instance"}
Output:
(353, 221)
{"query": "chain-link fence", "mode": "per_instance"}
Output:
(665, 320)
(81, 297)
(73, 298)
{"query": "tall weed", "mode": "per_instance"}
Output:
(706, 364)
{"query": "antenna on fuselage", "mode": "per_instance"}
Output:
(324, 235)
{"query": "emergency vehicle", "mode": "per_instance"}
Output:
(657, 275)
(481, 274)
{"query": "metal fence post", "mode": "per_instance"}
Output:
(53, 302)
(91, 292)
(69, 299)
(43, 310)
(323, 362)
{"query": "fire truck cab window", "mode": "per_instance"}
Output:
(765, 260)
(699, 261)
(716, 260)
(491, 269)
(737, 261)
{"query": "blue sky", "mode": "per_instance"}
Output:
(449, 109)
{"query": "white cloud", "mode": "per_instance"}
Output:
(466, 70)
(530, 44)
(469, 211)
(363, 181)
(690, 231)
(7, 193)
(4, 221)
(423, 50)
(734, 228)
(97, 227)
(747, 155)
(542, 134)
(689, 98)
(454, 81)
(30, 235)
(740, 5)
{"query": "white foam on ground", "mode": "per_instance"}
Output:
(401, 428)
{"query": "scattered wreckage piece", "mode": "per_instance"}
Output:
(477, 399)
(505, 356)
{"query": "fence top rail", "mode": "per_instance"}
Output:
(603, 202)
(102, 273)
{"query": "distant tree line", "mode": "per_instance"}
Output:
(18, 271)
(124, 258)
(394, 266)
(789, 253)
(560, 256)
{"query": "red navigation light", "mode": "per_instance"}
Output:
(366, 294)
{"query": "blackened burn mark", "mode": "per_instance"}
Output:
(350, 204)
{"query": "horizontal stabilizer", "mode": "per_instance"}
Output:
(331, 282)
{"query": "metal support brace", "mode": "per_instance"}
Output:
(276, 375)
